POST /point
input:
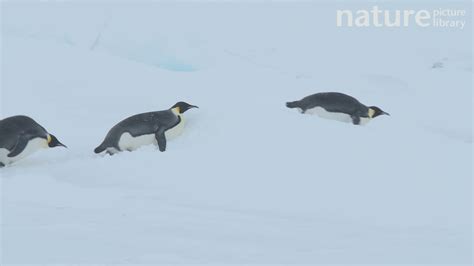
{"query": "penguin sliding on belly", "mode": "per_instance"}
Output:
(21, 136)
(337, 106)
(145, 129)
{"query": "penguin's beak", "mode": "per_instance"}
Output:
(54, 142)
(194, 106)
(59, 144)
(385, 113)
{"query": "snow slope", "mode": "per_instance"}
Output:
(249, 181)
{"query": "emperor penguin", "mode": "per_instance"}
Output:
(21, 136)
(337, 106)
(145, 129)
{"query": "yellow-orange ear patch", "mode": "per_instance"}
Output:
(49, 138)
(371, 112)
(177, 110)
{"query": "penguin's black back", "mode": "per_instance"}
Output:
(12, 127)
(332, 102)
(140, 124)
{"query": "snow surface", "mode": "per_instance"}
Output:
(249, 181)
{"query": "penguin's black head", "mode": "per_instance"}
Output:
(182, 107)
(54, 142)
(374, 111)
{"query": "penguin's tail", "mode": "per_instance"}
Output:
(100, 149)
(292, 104)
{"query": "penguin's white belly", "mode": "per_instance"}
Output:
(342, 117)
(128, 142)
(321, 112)
(176, 130)
(364, 120)
(33, 146)
(131, 143)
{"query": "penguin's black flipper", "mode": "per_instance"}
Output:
(19, 146)
(355, 119)
(161, 139)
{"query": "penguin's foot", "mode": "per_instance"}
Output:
(1, 165)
